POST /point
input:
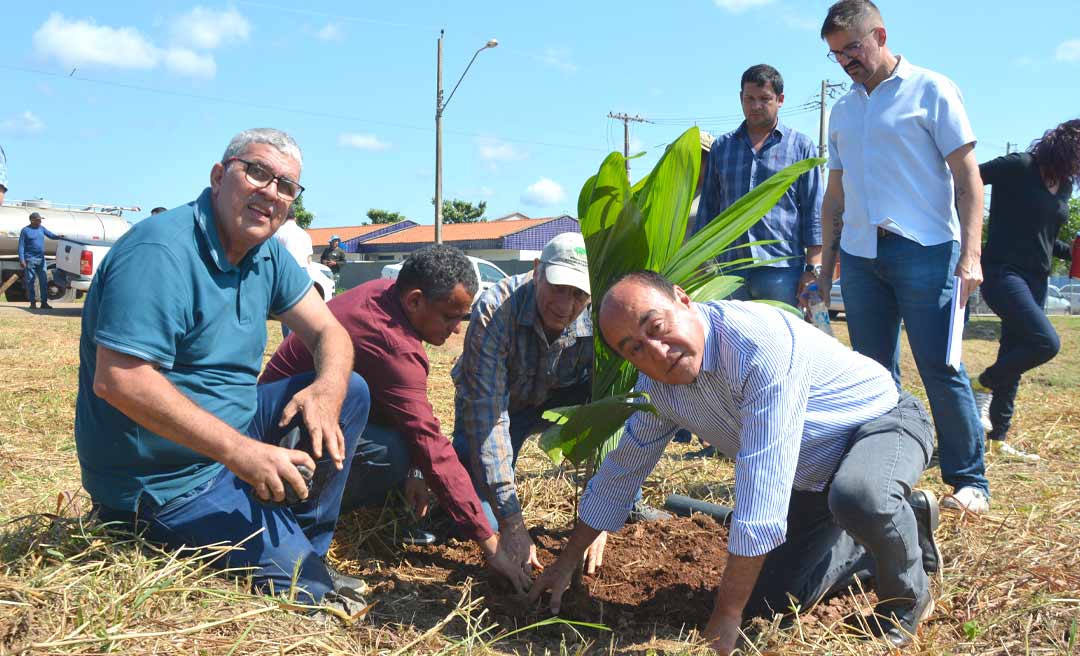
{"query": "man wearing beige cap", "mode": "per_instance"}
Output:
(528, 348)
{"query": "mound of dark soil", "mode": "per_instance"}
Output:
(662, 573)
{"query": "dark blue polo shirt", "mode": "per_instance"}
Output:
(166, 293)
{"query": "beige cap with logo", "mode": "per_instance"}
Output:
(565, 261)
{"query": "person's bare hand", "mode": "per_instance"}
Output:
(268, 469)
(500, 563)
(555, 579)
(824, 285)
(515, 541)
(416, 495)
(321, 410)
(722, 632)
(969, 270)
(594, 555)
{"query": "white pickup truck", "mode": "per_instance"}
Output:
(77, 261)
(88, 232)
(486, 273)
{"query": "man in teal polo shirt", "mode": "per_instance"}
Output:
(173, 435)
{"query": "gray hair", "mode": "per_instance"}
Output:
(850, 16)
(269, 136)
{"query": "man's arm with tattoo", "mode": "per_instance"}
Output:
(832, 224)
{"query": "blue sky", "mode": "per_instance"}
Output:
(159, 88)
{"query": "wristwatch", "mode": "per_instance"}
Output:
(812, 268)
(416, 473)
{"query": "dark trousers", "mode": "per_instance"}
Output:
(272, 541)
(860, 526)
(36, 279)
(1028, 339)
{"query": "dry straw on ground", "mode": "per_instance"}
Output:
(1010, 585)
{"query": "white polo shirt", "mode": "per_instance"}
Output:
(296, 240)
(891, 145)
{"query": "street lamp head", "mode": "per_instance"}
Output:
(492, 43)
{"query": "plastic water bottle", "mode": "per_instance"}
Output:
(819, 312)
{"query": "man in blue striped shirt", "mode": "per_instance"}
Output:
(826, 455)
(743, 159)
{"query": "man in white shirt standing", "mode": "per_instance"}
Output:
(903, 212)
(297, 241)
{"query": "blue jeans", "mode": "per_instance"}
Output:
(523, 423)
(1028, 339)
(275, 541)
(35, 272)
(861, 526)
(770, 283)
(379, 467)
(915, 283)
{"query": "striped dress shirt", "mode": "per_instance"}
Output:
(735, 168)
(508, 365)
(775, 394)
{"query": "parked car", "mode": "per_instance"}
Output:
(486, 272)
(836, 300)
(322, 278)
(1071, 292)
(1055, 302)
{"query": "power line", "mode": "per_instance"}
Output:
(290, 110)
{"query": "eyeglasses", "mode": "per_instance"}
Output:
(260, 176)
(850, 51)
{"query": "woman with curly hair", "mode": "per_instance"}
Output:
(1028, 205)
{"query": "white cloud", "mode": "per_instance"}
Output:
(636, 146)
(209, 28)
(737, 6)
(493, 150)
(558, 58)
(76, 42)
(1069, 51)
(23, 123)
(543, 193)
(330, 32)
(368, 142)
(82, 42)
(190, 63)
(486, 192)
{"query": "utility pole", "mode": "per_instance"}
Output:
(440, 106)
(438, 145)
(1008, 148)
(626, 119)
(826, 90)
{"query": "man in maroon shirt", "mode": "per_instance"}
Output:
(388, 321)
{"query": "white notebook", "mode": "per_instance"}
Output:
(956, 327)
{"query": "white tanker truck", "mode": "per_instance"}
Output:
(86, 228)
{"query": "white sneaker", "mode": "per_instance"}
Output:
(982, 402)
(1003, 448)
(968, 498)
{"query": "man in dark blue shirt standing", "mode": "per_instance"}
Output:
(32, 259)
(741, 160)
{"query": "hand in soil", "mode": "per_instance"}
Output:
(514, 540)
(594, 555)
(722, 633)
(555, 578)
(501, 564)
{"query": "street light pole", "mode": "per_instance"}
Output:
(440, 106)
(438, 146)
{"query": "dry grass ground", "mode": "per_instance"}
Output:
(1010, 586)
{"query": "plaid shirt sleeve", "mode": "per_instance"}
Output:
(483, 400)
